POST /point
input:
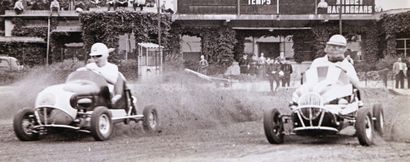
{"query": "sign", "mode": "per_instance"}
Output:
(350, 6)
(260, 2)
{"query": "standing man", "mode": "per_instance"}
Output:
(272, 72)
(253, 65)
(203, 65)
(408, 72)
(287, 71)
(399, 70)
(244, 64)
(261, 66)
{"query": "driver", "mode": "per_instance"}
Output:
(335, 49)
(100, 65)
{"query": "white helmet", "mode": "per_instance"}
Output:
(337, 39)
(99, 49)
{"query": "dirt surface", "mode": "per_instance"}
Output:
(202, 123)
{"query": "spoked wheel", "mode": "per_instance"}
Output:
(273, 125)
(379, 122)
(23, 124)
(364, 127)
(151, 122)
(101, 124)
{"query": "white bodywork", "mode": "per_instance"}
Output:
(323, 85)
(56, 97)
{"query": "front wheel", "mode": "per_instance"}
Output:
(364, 127)
(150, 122)
(101, 124)
(273, 126)
(379, 122)
(23, 123)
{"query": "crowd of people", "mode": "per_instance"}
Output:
(55, 6)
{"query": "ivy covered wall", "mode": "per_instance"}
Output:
(393, 25)
(106, 27)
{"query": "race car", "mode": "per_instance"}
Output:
(324, 105)
(82, 103)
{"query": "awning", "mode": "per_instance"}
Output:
(74, 45)
(22, 39)
(67, 29)
(149, 45)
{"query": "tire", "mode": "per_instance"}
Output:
(150, 122)
(22, 124)
(364, 127)
(101, 124)
(273, 126)
(379, 122)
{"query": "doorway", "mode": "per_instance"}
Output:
(269, 49)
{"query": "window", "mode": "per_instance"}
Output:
(403, 46)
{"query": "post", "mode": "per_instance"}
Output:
(315, 7)
(159, 32)
(239, 7)
(48, 41)
(340, 18)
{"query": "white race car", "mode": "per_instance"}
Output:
(82, 103)
(324, 105)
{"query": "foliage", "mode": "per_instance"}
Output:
(28, 54)
(107, 26)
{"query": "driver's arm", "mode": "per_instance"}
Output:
(351, 73)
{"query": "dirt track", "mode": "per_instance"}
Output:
(205, 124)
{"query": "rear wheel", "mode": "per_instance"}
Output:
(101, 124)
(150, 122)
(273, 126)
(23, 124)
(379, 122)
(364, 127)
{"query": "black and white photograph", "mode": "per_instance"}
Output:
(205, 80)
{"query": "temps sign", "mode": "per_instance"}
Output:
(259, 2)
(351, 6)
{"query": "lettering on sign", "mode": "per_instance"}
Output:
(349, 7)
(259, 2)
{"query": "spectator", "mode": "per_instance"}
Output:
(138, 3)
(18, 7)
(261, 65)
(272, 72)
(244, 64)
(113, 4)
(287, 71)
(253, 65)
(399, 70)
(203, 65)
(408, 72)
(55, 7)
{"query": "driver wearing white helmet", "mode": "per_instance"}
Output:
(335, 49)
(100, 65)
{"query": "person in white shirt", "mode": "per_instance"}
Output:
(54, 7)
(335, 49)
(100, 65)
(399, 70)
(18, 7)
